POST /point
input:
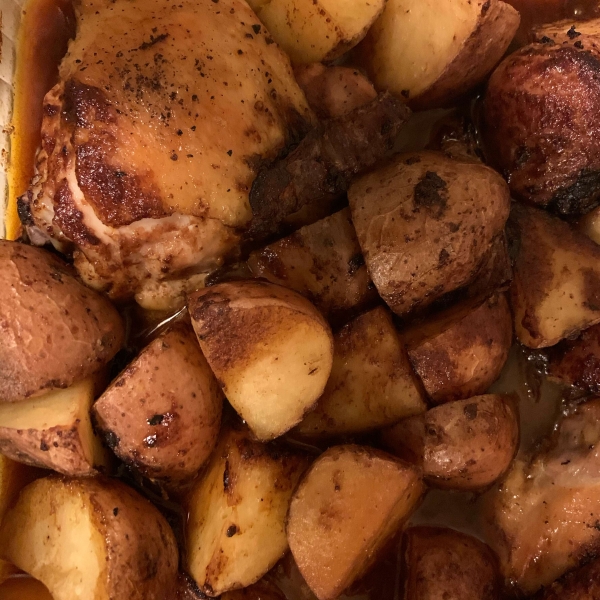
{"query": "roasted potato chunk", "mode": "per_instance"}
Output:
(333, 91)
(442, 563)
(461, 352)
(54, 431)
(348, 505)
(462, 445)
(372, 383)
(425, 224)
(541, 128)
(162, 414)
(56, 331)
(555, 291)
(431, 53)
(236, 526)
(542, 519)
(323, 262)
(269, 347)
(316, 30)
(90, 539)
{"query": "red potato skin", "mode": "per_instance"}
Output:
(333, 91)
(466, 358)
(464, 445)
(441, 563)
(163, 412)
(53, 330)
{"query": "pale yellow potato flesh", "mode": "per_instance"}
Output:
(54, 431)
(90, 539)
(372, 383)
(430, 52)
(349, 504)
(269, 347)
(236, 526)
(556, 286)
(316, 30)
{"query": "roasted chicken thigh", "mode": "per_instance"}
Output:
(162, 116)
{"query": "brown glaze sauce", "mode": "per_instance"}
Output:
(46, 29)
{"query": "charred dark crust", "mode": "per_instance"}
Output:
(580, 197)
(314, 175)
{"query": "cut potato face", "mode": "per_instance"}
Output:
(269, 347)
(462, 445)
(57, 331)
(556, 287)
(542, 519)
(442, 563)
(236, 526)
(317, 30)
(348, 505)
(90, 539)
(460, 353)
(372, 383)
(323, 262)
(431, 53)
(426, 225)
(162, 414)
(54, 431)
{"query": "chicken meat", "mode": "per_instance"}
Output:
(176, 138)
(163, 114)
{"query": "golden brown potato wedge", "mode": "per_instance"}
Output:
(236, 526)
(540, 125)
(55, 331)
(372, 383)
(462, 445)
(90, 539)
(55, 431)
(348, 505)
(442, 563)
(323, 262)
(460, 353)
(333, 91)
(317, 30)
(556, 286)
(162, 413)
(542, 519)
(269, 347)
(426, 224)
(432, 52)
